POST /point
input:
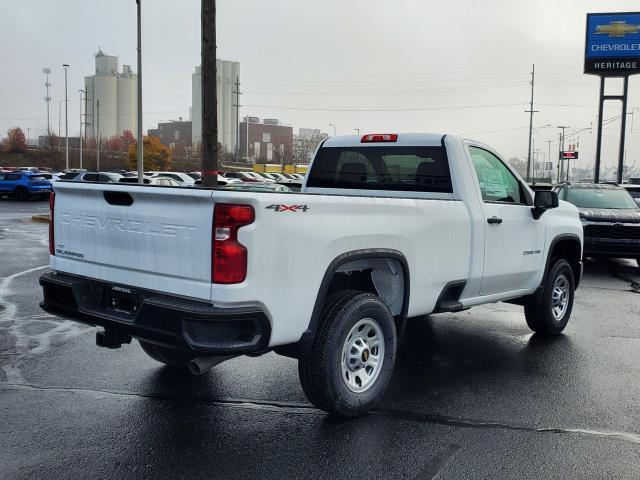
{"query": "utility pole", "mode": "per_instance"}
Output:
(66, 118)
(531, 111)
(140, 145)
(28, 133)
(560, 162)
(47, 99)
(80, 135)
(209, 161)
(237, 92)
(549, 142)
(98, 139)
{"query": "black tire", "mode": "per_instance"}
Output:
(22, 193)
(540, 315)
(168, 356)
(321, 374)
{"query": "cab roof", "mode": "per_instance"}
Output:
(404, 139)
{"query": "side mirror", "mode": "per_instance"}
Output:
(543, 201)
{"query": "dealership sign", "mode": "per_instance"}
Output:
(613, 44)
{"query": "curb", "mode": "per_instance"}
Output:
(41, 218)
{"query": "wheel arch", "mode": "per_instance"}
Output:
(566, 246)
(330, 283)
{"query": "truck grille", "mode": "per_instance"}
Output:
(619, 232)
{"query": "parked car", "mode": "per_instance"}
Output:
(52, 177)
(397, 226)
(634, 191)
(24, 185)
(195, 175)
(101, 177)
(182, 178)
(245, 176)
(610, 217)
(222, 181)
(159, 181)
(258, 187)
(264, 177)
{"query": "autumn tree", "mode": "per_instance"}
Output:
(156, 155)
(120, 143)
(15, 141)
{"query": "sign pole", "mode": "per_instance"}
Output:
(596, 175)
(623, 127)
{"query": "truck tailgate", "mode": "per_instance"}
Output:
(151, 237)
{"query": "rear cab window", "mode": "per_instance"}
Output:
(390, 168)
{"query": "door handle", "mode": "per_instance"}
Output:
(494, 220)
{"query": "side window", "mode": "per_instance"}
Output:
(2, 176)
(497, 183)
(90, 177)
(13, 177)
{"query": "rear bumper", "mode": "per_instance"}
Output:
(158, 318)
(611, 248)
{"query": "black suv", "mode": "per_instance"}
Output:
(610, 218)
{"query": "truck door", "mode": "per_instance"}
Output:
(514, 241)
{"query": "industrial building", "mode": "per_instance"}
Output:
(266, 142)
(228, 73)
(112, 99)
(174, 134)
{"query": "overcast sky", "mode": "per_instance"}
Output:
(461, 66)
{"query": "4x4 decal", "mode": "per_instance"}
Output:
(288, 208)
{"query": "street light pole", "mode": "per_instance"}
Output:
(81, 92)
(140, 147)
(47, 99)
(334, 129)
(66, 118)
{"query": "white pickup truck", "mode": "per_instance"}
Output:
(391, 226)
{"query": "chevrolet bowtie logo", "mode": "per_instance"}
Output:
(617, 29)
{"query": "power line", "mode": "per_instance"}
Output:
(410, 109)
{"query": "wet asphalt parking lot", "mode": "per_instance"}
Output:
(474, 395)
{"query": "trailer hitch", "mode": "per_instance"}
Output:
(111, 338)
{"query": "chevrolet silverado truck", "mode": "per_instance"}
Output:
(394, 226)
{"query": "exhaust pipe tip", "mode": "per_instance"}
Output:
(202, 365)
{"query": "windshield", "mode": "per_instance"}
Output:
(600, 198)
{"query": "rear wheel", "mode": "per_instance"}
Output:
(353, 355)
(549, 315)
(22, 193)
(169, 356)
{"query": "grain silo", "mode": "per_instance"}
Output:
(227, 74)
(111, 99)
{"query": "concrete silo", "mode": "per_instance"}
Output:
(127, 101)
(117, 96)
(196, 106)
(227, 74)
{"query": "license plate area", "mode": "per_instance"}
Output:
(123, 300)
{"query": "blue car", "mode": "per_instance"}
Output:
(24, 185)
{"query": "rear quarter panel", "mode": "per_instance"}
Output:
(290, 251)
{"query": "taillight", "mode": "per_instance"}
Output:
(379, 137)
(229, 262)
(52, 205)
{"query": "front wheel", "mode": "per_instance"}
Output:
(549, 315)
(353, 355)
